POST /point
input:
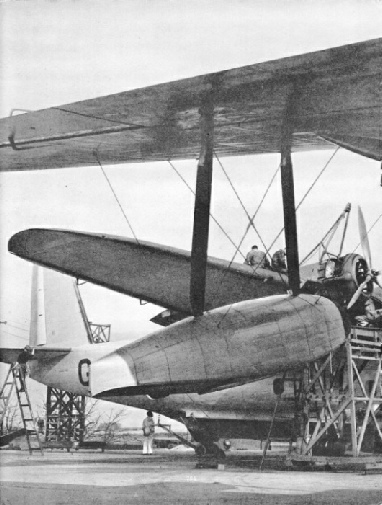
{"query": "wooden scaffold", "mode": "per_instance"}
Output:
(343, 391)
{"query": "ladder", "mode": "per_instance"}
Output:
(16, 380)
(5, 398)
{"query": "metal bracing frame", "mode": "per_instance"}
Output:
(100, 333)
(65, 416)
(326, 398)
(65, 412)
(364, 346)
(268, 440)
(322, 396)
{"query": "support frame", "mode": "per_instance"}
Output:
(361, 357)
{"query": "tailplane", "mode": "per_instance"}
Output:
(58, 318)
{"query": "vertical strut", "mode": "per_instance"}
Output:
(202, 207)
(347, 213)
(287, 185)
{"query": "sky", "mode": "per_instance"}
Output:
(57, 52)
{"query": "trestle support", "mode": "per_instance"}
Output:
(342, 391)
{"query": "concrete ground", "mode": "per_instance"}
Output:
(170, 477)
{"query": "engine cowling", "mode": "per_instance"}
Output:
(340, 278)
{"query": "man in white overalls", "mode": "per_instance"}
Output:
(148, 427)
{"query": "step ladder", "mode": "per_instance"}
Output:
(5, 398)
(16, 381)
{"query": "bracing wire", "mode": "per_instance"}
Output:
(14, 335)
(318, 176)
(115, 195)
(298, 206)
(254, 216)
(237, 248)
(368, 231)
(308, 191)
(254, 269)
(251, 222)
(16, 327)
(331, 231)
(212, 217)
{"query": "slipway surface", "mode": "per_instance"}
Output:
(169, 477)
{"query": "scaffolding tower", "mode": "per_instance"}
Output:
(100, 333)
(65, 416)
(66, 412)
(339, 398)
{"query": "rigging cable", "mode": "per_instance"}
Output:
(16, 327)
(228, 237)
(212, 217)
(240, 200)
(331, 232)
(14, 335)
(309, 190)
(368, 231)
(254, 215)
(95, 152)
(254, 268)
(237, 248)
(298, 206)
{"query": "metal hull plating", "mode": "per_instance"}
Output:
(235, 344)
(244, 341)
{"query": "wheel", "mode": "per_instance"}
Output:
(200, 450)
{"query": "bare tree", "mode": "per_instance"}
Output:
(92, 417)
(109, 424)
(12, 418)
(101, 423)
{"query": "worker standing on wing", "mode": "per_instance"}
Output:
(256, 258)
(148, 428)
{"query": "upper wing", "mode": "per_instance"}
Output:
(337, 99)
(151, 272)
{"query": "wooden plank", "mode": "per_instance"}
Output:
(365, 344)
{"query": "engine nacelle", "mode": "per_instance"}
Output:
(341, 277)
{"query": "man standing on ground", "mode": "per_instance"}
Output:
(148, 427)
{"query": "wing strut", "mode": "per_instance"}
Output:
(287, 185)
(202, 207)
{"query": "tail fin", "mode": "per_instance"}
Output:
(57, 314)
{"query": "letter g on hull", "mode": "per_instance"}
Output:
(84, 371)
